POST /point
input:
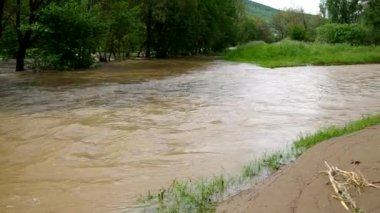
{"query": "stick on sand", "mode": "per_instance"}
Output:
(342, 181)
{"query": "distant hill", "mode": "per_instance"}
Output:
(263, 11)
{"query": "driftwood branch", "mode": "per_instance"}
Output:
(342, 181)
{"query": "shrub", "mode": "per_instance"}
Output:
(69, 33)
(297, 32)
(353, 34)
(254, 29)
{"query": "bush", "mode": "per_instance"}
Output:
(254, 29)
(297, 32)
(353, 34)
(69, 34)
(8, 44)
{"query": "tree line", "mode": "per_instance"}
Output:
(56, 34)
(66, 35)
(351, 21)
(356, 22)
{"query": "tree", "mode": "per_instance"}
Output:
(372, 18)
(183, 27)
(354, 34)
(124, 29)
(323, 8)
(285, 22)
(149, 9)
(64, 34)
(296, 24)
(297, 32)
(342, 11)
(69, 33)
(25, 19)
(254, 29)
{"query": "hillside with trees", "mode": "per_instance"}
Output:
(259, 10)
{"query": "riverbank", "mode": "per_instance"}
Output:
(291, 53)
(301, 187)
(203, 195)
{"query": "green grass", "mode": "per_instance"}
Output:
(203, 195)
(291, 53)
(305, 142)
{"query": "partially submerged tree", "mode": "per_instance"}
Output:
(26, 18)
(124, 29)
(66, 34)
(69, 34)
(184, 27)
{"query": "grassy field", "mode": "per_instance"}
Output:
(291, 53)
(203, 195)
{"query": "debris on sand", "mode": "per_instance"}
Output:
(342, 183)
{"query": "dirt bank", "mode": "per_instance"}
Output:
(301, 187)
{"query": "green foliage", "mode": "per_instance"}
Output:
(254, 29)
(274, 161)
(290, 53)
(342, 11)
(305, 142)
(297, 33)
(259, 10)
(178, 27)
(372, 19)
(124, 28)
(8, 43)
(350, 16)
(189, 196)
(280, 23)
(296, 25)
(69, 34)
(343, 33)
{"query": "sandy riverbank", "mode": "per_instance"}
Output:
(300, 187)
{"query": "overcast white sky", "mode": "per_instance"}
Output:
(310, 6)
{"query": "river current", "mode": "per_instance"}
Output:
(93, 141)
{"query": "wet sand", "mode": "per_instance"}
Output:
(300, 187)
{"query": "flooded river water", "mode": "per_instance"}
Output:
(94, 141)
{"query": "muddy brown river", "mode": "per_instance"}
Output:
(93, 141)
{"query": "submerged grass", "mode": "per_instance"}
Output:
(292, 53)
(203, 195)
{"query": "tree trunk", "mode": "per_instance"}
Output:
(149, 32)
(21, 50)
(20, 58)
(2, 3)
(24, 38)
(109, 56)
(23, 41)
